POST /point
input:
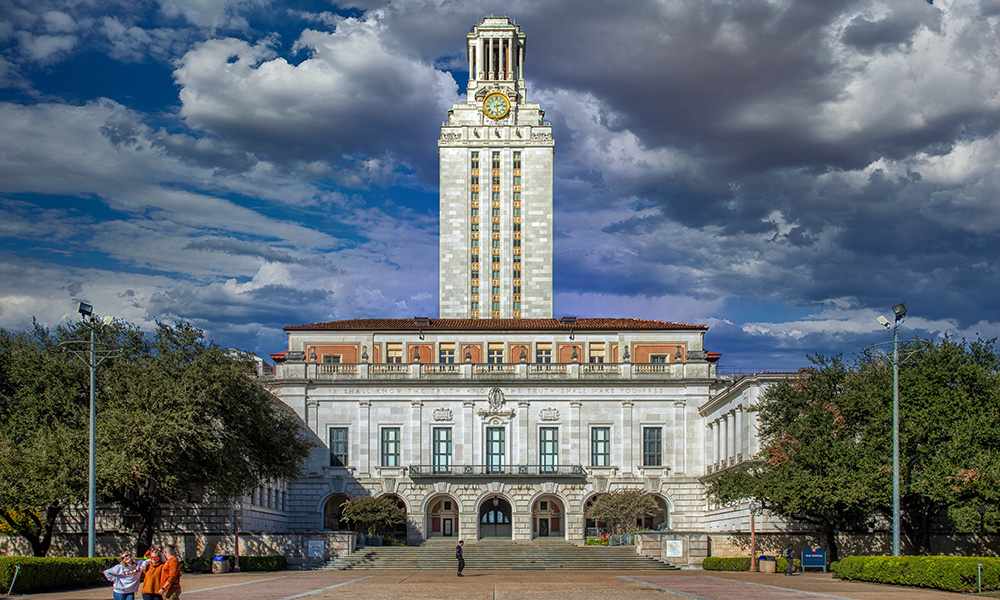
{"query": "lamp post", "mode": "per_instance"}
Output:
(236, 518)
(92, 353)
(753, 537)
(900, 312)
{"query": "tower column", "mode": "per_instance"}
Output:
(480, 69)
(490, 69)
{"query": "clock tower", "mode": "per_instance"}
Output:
(495, 155)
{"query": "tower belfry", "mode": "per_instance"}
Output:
(495, 155)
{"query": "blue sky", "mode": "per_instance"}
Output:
(781, 171)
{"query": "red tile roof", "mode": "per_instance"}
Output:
(494, 325)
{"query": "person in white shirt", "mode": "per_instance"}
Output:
(126, 577)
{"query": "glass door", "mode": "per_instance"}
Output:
(495, 447)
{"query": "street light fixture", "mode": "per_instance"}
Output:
(900, 312)
(92, 353)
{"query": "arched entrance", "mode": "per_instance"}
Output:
(331, 513)
(548, 517)
(660, 521)
(494, 518)
(442, 511)
(398, 531)
(593, 528)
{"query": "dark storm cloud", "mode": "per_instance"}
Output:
(269, 305)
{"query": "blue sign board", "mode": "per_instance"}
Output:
(814, 558)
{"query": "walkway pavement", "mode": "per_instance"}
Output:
(522, 585)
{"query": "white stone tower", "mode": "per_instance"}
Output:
(496, 188)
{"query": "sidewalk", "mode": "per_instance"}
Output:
(521, 585)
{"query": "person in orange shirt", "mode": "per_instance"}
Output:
(170, 577)
(152, 568)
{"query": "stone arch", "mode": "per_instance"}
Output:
(592, 528)
(398, 531)
(331, 512)
(494, 516)
(548, 515)
(442, 516)
(661, 520)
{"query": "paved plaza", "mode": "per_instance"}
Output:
(528, 585)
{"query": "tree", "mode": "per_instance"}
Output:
(372, 515)
(43, 433)
(622, 508)
(814, 464)
(183, 418)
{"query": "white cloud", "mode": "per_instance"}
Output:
(45, 48)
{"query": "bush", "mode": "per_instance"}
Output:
(203, 564)
(951, 573)
(741, 563)
(41, 573)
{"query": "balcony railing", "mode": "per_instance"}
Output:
(506, 471)
(494, 371)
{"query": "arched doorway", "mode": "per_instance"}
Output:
(548, 517)
(443, 514)
(398, 531)
(494, 518)
(660, 521)
(331, 513)
(593, 528)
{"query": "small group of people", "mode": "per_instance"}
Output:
(157, 576)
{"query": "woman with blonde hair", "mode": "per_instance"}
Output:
(125, 577)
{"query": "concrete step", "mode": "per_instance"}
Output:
(496, 554)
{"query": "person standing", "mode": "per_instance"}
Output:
(126, 578)
(790, 557)
(460, 556)
(152, 568)
(170, 577)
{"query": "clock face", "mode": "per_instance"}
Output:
(496, 106)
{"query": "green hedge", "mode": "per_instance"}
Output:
(951, 573)
(740, 563)
(203, 564)
(42, 574)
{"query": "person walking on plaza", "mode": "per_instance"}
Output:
(170, 577)
(152, 567)
(460, 556)
(126, 577)
(789, 555)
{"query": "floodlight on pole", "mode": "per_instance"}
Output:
(92, 353)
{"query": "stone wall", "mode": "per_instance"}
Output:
(674, 547)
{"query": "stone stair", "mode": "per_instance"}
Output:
(497, 554)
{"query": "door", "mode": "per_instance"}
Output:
(494, 518)
(543, 527)
(446, 526)
(495, 449)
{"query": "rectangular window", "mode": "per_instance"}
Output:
(338, 446)
(475, 160)
(600, 447)
(495, 438)
(331, 359)
(597, 352)
(390, 446)
(517, 160)
(543, 353)
(658, 358)
(394, 352)
(494, 353)
(548, 448)
(442, 449)
(652, 446)
(496, 160)
(447, 353)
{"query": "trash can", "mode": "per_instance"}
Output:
(220, 564)
(767, 564)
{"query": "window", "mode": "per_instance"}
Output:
(475, 160)
(543, 353)
(495, 449)
(331, 359)
(652, 446)
(447, 353)
(390, 446)
(442, 449)
(517, 160)
(394, 352)
(496, 160)
(658, 358)
(338, 446)
(597, 352)
(494, 354)
(548, 450)
(600, 447)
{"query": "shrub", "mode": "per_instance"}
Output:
(728, 563)
(596, 541)
(42, 573)
(951, 573)
(203, 564)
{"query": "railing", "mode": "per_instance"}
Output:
(330, 368)
(496, 471)
(498, 371)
